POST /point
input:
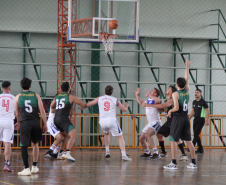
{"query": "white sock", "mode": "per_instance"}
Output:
(123, 153)
(155, 150)
(52, 147)
(147, 151)
(107, 149)
(55, 151)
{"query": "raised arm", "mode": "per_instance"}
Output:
(137, 92)
(186, 76)
(42, 111)
(17, 125)
(94, 102)
(124, 107)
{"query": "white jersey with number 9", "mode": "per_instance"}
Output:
(107, 106)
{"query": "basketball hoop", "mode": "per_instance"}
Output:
(108, 41)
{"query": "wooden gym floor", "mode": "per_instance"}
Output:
(91, 167)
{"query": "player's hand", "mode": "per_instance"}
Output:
(207, 122)
(126, 104)
(187, 62)
(82, 108)
(169, 114)
(137, 92)
(147, 94)
(16, 126)
(44, 129)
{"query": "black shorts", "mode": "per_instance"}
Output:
(165, 129)
(64, 125)
(30, 131)
(180, 128)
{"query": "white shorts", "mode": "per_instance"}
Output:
(155, 125)
(110, 124)
(6, 130)
(52, 129)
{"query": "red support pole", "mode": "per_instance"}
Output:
(66, 71)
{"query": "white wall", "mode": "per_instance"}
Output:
(179, 18)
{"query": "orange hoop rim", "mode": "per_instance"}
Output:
(106, 35)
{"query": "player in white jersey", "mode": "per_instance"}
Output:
(108, 122)
(50, 125)
(154, 122)
(7, 117)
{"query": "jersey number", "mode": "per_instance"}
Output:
(28, 107)
(61, 104)
(5, 105)
(107, 106)
(185, 106)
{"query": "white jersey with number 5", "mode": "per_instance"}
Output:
(7, 106)
(107, 106)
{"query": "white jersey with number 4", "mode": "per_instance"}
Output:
(7, 106)
(107, 106)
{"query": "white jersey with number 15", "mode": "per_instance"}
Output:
(7, 106)
(107, 106)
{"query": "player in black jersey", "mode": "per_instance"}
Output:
(200, 110)
(165, 129)
(27, 104)
(180, 126)
(63, 103)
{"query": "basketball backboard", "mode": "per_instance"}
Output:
(88, 18)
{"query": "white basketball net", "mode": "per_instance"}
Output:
(108, 41)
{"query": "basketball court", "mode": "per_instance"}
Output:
(125, 44)
(90, 167)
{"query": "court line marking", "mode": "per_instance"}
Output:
(6, 183)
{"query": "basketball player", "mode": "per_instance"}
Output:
(108, 121)
(55, 132)
(27, 104)
(62, 103)
(180, 126)
(7, 109)
(154, 123)
(165, 129)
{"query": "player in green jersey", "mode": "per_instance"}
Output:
(180, 126)
(165, 129)
(63, 103)
(27, 104)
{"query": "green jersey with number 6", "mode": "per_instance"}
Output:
(63, 105)
(183, 102)
(28, 106)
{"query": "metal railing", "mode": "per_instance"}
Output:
(91, 136)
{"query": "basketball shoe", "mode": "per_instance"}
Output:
(125, 158)
(8, 168)
(34, 169)
(26, 171)
(67, 155)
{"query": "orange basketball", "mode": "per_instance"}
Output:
(113, 24)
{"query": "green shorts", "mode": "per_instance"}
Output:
(171, 139)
